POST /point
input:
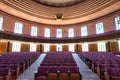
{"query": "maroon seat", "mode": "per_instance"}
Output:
(112, 74)
(113, 71)
(53, 69)
(41, 78)
(113, 65)
(14, 69)
(4, 73)
(42, 71)
(4, 66)
(74, 69)
(63, 69)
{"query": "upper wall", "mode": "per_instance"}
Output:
(107, 20)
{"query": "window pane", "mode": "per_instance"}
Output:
(84, 31)
(16, 47)
(46, 47)
(85, 47)
(59, 47)
(70, 32)
(117, 23)
(119, 45)
(18, 28)
(99, 28)
(47, 32)
(33, 47)
(101, 46)
(59, 33)
(71, 47)
(1, 22)
(33, 31)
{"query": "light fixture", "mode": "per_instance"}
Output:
(59, 16)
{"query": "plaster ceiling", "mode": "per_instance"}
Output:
(81, 12)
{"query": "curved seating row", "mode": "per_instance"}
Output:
(14, 63)
(105, 64)
(57, 64)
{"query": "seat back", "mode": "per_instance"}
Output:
(52, 76)
(63, 76)
(4, 71)
(74, 76)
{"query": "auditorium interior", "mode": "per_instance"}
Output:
(59, 40)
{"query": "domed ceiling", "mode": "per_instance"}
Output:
(59, 3)
(76, 12)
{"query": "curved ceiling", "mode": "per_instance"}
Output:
(84, 11)
(58, 3)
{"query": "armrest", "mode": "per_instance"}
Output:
(107, 77)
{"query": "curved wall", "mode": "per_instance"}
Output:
(108, 22)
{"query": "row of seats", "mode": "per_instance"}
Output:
(105, 64)
(62, 76)
(57, 63)
(14, 63)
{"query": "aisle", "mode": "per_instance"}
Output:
(86, 73)
(29, 73)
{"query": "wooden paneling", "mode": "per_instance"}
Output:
(3, 46)
(78, 48)
(114, 47)
(25, 47)
(52, 47)
(38, 48)
(93, 48)
(65, 48)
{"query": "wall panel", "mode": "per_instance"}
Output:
(93, 48)
(25, 47)
(3, 46)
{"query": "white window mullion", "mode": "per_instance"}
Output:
(59, 47)
(46, 47)
(33, 47)
(59, 33)
(47, 32)
(71, 32)
(101, 46)
(71, 48)
(84, 31)
(117, 23)
(85, 47)
(99, 28)
(18, 28)
(16, 46)
(1, 22)
(33, 31)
